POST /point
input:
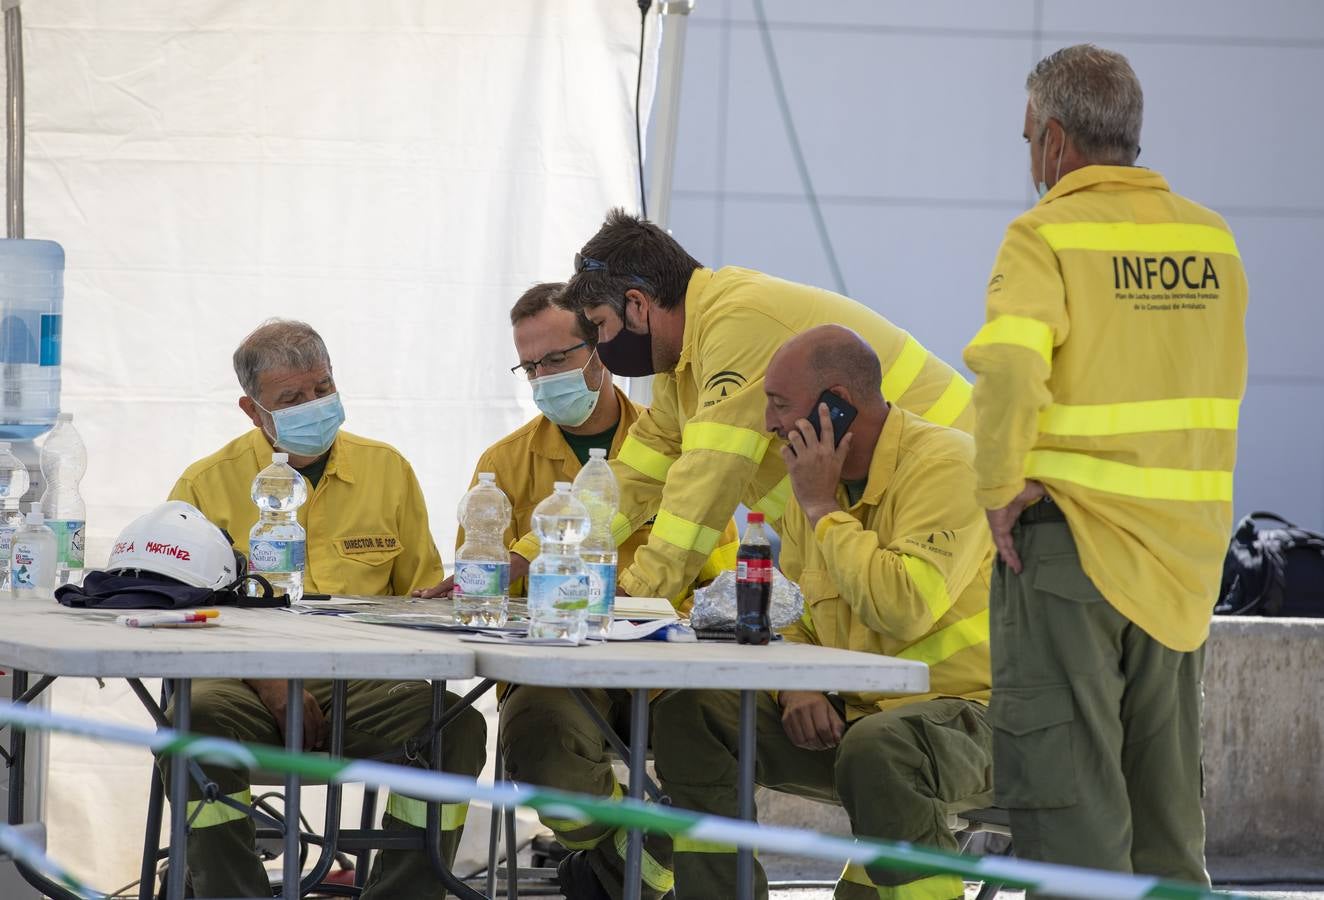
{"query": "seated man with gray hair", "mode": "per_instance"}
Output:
(357, 489)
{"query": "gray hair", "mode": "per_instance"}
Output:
(1096, 96)
(278, 344)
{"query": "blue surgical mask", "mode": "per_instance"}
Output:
(1042, 186)
(308, 429)
(565, 397)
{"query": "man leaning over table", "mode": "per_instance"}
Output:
(893, 556)
(357, 488)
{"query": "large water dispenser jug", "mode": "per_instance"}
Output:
(31, 310)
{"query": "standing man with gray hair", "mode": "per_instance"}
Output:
(1110, 372)
(367, 534)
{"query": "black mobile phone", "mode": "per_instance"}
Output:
(839, 411)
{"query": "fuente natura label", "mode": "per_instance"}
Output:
(564, 592)
(482, 579)
(276, 556)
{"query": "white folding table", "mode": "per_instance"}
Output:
(643, 665)
(43, 637)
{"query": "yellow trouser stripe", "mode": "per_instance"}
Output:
(905, 369)
(213, 814)
(721, 559)
(560, 825)
(644, 459)
(949, 641)
(1178, 414)
(685, 534)
(653, 873)
(955, 397)
(855, 874)
(1019, 331)
(1155, 237)
(621, 529)
(725, 439)
(682, 844)
(415, 812)
(773, 503)
(934, 887)
(1151, 483)
(932, 586)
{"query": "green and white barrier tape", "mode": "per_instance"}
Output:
(14, 845)
(1064, 881)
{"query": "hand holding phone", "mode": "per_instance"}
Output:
(840, 412)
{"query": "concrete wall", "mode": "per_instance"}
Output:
(910, 117)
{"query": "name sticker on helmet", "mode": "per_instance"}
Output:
(173, 550)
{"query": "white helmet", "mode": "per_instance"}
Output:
(177, 541)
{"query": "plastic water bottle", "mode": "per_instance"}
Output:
(32, 565)
(13, 485)
(482, 564)
(596, 488)
(31, 313)
(63, 464)
(277, 545)
(558, 581)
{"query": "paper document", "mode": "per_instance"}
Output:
(643, 609)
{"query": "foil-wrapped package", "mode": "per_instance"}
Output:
(715, 605)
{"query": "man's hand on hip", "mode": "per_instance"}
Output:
(810, 720)
(1000, 522)
(274, 694)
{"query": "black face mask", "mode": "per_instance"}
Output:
(628, 354)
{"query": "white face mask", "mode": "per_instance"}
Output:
(565, 397)
(1043, 166)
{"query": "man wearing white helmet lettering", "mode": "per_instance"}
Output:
(357, 489)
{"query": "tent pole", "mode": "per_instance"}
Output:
(13, 119)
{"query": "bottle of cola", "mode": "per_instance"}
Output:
(754, 584)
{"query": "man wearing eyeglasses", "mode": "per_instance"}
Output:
(702, 447)
(546, 737)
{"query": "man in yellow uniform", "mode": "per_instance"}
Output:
(893, 556)
(700, 449)
(546, 737)
(1110, 372)
(367, 534)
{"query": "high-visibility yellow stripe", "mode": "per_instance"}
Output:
(644, 459)
(1151, 483)
(1019, 331)
(724, 438)
(685, 534)
(1154, 237)
(903, 372)
(1178, 414)
(721, 559)
(932, 586)
(953, 401)
(949, 641)
(621, 529)
(560, 825)
(683, 844)
(212, 813)
(653, 873)
(855, 874)
(415, 812)
(773, 503)
(934, 887)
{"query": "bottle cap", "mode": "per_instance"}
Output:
(754, 517)
(561, 486)
(597, 453)
(487, 477)
(280, 458)
(35, 517)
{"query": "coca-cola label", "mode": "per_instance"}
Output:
(755, 571)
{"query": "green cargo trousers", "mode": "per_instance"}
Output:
(547, 739)
(1096, 724)
(380, 716)
(898, 773)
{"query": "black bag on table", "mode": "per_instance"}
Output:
(1276, 571)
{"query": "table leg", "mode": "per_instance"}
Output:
(748, 751)
(294, 743)
(634, 856)
(182, 691)
(17, 751)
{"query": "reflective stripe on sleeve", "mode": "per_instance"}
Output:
(1154, 237)
(953, 401)
(621, 529)
(905, 369)
(930, 584)
(949, 641)
(724, 439)
(773, 503)
(1178, 414)
(644, 459)
(685, 534)
(1018, 331)
(1151, 483)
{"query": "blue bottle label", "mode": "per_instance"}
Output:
(51, 326)
(475, 579)
(559, 592)
(68, 541)
(276, 556)
(601, 588)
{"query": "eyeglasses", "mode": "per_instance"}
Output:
(589, 264)
(556, 358)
